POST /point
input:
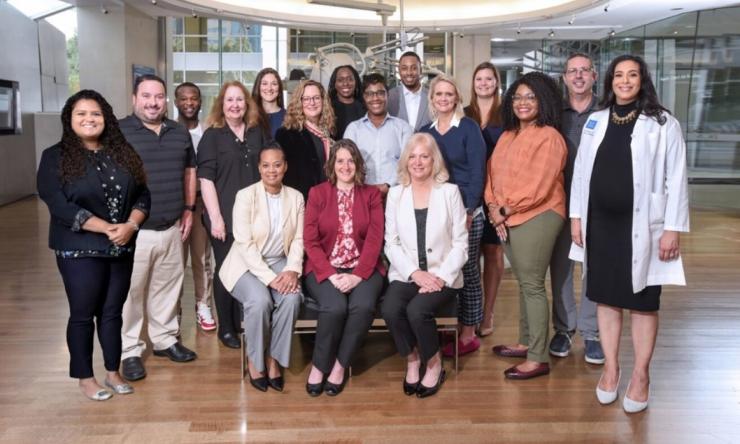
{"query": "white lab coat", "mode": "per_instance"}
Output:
(660, 189)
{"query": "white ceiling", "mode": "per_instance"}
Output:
(508, 19)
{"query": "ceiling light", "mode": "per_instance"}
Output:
(551, 33)
(606, 8)
(380, 8)
(612, 33)
(154, 2)
(572, 20)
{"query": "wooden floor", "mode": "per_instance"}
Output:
(695, 372)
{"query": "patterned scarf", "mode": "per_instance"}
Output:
(318, 132)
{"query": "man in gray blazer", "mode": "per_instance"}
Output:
(408, 100)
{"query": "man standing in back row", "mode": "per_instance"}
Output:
(579, 78)
(166, 149)
(187, 101)
(409, 100)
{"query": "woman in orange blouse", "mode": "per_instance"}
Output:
(526, 201)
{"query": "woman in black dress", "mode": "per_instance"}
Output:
(629, 197)
(228, 157)
(95, 187)
(345, 93)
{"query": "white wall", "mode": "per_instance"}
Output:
(469, 52)
(19, 46)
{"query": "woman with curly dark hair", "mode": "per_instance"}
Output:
(628, 241)
(345, 92)
(267, 93)
(95, 187)
(526, 203)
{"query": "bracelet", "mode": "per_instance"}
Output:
(190, 208)
(134, 224)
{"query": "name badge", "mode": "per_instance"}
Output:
(591, 124)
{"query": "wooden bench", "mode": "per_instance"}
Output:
(308, 319)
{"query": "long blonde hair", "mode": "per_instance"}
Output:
(294, 117)
(459, 113)
(216, 117)
(439, 170)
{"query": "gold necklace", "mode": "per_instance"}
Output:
(624, 120)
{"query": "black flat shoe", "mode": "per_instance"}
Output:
(425, 391)
(315, 389)
(410, 389)
(276, 383)
(230, 340)
(132, 369)
(260, 383)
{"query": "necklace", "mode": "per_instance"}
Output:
(624, 120)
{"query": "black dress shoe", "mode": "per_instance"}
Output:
(259, 383)
(277, 383)
(425, 391)
(230, 340)
(132, 369)
(315, 389)
(177, 353)
(410, 389)
(332, 389)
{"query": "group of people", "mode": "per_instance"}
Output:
(370, 201)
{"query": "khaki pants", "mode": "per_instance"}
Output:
(529, 249)
(156, 283)
(199, 247)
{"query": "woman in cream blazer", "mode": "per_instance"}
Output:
(263, 267)
(426, 242)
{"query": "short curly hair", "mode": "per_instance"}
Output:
(549, 101)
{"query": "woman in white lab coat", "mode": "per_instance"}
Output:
(629, 201)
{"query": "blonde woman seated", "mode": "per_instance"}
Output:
(426, 242)
(263, 267)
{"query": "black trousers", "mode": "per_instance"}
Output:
(227, 308)
(409, 316)
(344, 319)
(96, 288)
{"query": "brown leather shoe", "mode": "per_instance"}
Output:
(508, 352)
(513, 373)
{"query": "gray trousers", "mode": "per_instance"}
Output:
(268, 314)
(565, 317)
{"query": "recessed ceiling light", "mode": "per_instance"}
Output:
(676, 9)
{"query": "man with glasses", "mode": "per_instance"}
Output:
(379, 136)
(579, 78)
(409, 101)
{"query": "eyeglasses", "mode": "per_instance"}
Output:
(581, 71)
(313, 99)
(527, 98)
(370, 94)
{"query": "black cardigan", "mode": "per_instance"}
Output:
(305, 159)
(66, 199)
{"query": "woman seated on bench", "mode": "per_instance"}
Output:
(426, 242)
(263, 267)
(344, 273)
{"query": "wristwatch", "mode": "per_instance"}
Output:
(190, 208)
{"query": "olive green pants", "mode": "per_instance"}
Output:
(529, 249)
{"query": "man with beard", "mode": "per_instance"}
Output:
(409, 100)
(579, 78)
(156, 282)
(379, 136)
(187, 101)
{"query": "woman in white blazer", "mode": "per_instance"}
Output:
(263, 267)
(426, 242)
(629, 201)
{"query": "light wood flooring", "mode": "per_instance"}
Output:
(695, 372)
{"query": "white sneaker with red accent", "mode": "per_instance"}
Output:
(204, 318)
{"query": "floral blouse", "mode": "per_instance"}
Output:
(345, 253)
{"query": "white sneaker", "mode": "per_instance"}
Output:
(204, 318)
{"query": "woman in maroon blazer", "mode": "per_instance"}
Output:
(343, 237)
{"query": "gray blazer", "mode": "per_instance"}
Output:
(397, 106)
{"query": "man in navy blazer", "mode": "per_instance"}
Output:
(408, 100)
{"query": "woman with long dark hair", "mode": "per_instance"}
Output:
(485, 109)
(345, 92)
(267, 93)
(629, 201)
(228, 156)
(95, 187)
(526, 204)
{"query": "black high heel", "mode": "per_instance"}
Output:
(410, 389)
(425, 391)
(315, 389)
(332, 389)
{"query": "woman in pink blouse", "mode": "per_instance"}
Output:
(343, 236)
